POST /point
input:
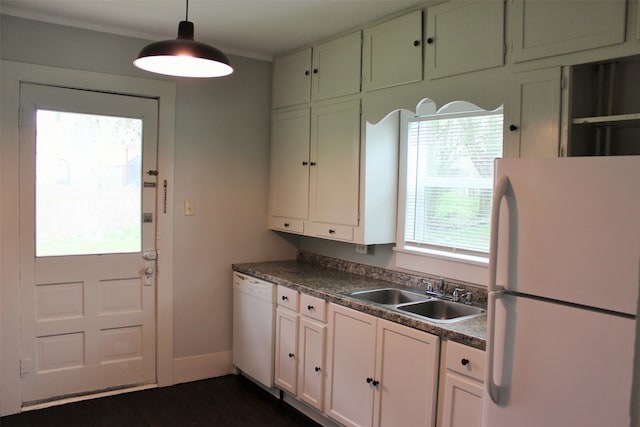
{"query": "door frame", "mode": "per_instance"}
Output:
(13, 73)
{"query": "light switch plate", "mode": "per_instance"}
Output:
(189, 207)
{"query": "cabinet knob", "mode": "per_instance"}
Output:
(375, 383)
(291, 355)
(317, 369)
(315, 71)
(332, 231)
(306, 72)
(286, 224)
(305, 163)
(465, 362)
(312, 163)
(310, 307)
(284, 297)
(513, 128)
(369, 380)
(416, 42)
(430, 40)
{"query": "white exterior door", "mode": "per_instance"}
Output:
(87, 245)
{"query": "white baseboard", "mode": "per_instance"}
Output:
(202, 366)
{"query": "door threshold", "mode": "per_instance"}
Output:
(80, 398)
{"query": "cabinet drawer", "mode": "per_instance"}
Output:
(465, 360)
(288, 298)
(286, 224)
(338, 232)
(313, 307)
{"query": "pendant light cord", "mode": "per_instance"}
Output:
(186, 18)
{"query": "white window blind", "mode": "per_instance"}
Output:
(450, 180)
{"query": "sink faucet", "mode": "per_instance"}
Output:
(456, 294)
(468, 298)
(440, 293)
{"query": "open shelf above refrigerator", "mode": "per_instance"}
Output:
(605, 108)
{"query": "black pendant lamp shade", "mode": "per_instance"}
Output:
(183, 56)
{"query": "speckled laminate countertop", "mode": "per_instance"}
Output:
(334, 285)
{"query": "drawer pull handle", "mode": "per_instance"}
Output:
(310, 307)
(285, 298)
(465, 362)
(317, 369)
(291, 355)
(513, 128)
(331, 231)
(286, 224)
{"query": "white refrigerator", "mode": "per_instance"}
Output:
(564, 274)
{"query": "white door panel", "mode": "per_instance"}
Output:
(88, 295)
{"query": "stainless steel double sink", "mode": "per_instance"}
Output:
(419, 305)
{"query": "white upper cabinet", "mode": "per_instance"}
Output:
(328, 70)
(289, 169)
(532, 118)
(547, 28)
(393, 52)
(292, 79)
(335, 164)
(464, 36)
(336, 67)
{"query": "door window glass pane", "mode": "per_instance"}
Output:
(88, 184)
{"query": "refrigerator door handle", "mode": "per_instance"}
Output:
(492, 387)
(499, 193)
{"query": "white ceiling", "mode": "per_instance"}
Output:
(253, 28)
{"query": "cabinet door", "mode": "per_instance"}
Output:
(350, 366)
(393, 52)
(462, 401)
(464, 36)
(547, 28)
(335, 160)
(286, 367)
(532, 120)
(311, 362)
(289, 168)
(292, 79)
(407, 371)
(336, 67)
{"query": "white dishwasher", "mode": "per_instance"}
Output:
(254, 327)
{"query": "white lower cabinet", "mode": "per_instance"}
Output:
(311, 363)
(286, 368)
(462, 386)
(379, 373)
(286, 347)
(300, 343)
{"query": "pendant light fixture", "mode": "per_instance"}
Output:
(183, 57)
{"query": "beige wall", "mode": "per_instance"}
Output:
(221, 161)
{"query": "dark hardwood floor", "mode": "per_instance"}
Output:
(226, 401)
